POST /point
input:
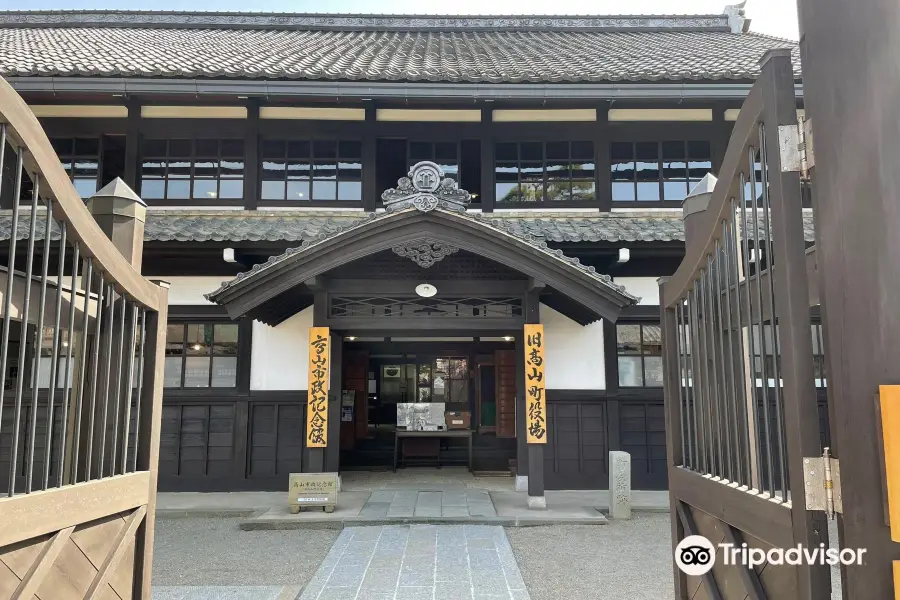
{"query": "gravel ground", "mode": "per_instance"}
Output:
(216, 552)
(626, 560)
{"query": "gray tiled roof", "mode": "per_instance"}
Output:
(439, 49)
(299, 226)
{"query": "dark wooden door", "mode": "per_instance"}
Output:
(505, 361)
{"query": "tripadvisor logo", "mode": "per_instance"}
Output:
(695, 555)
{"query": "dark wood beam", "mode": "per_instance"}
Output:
(369, 160)
(487, 161)
(602, 148)
(132, 145)
(251, 155)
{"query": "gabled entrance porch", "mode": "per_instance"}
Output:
(425, 269)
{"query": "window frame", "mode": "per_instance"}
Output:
(641, 323)
(659, 140)
(192, 139)
(544, 202)
(337, 138)
(214, 315)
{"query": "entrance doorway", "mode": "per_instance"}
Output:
(389, 383)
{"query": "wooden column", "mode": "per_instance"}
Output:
(133, 145)
(611, 366)
(602, 150)
(720, 136)
(252, 161)
(851, 100)
(535, 451)
(521, 442)
(487, 160)
(369, 160)
(315, 462)
(335, 382)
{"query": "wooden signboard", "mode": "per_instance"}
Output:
(890, 431)
(535, 403)
(317, 409)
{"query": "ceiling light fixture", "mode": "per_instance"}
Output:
(426, 290)
(351, 338)
(507, 338)
(197, 346)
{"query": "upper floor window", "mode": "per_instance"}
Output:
(657, 171)
(201, 355)
(545, 172)
(80, 157)
(639, 355)
(202, 169)
(444, 154)
(311, 170)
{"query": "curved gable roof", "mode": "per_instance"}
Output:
(255, 292)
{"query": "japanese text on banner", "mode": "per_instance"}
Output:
(317, 407)
(535, 403)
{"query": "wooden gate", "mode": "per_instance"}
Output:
(80, 387)
(739, 388)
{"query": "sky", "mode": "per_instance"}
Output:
(772, 17)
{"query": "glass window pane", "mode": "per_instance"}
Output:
(673, 150)
(233, 149)
(623, 191)
(62, 146)
(199, 338)
(652, 340)
(445, 151)
(450, 169)
(420, 151)
(653, 375)
(558, 170)
(622, 151)
(350, 150)
(324, 189)
(87, 146)
(506, 192)
(628, 339)
(152, 189)
(532, 151)
(459, 368)
(225, 334)
(298, 149)
(506, 151)
(206, 168)
(297, 189)
(532, 176)
(675, 189)
(272, 190)
(298, 170)
(231, 188)
(459, 391)
(180, 148)
(153, 148)
(325, 149)
(85, 187)
(206, 148)
(273, 169)
(699, 150)
(583, 150)
(196, 372)
(349, 190)
(172, 372)
(349, 171)
(424, 394)
(630, 371)
(559, 191)
(582, 170)
(439, 387)
(584, 191)
(231, 168)
(648, 190)
(85, 168)
(205, 188)
(425, 374)
(224, 373)
(557, 150)
(273, 149)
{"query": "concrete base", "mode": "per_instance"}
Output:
(521, 483)
(537, 502)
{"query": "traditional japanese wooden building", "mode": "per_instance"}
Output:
(422, 186)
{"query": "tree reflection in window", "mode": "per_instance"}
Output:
(554, 172)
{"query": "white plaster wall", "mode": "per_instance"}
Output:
(279, 355)
(190, 290)
(573, 354)
(646, 288)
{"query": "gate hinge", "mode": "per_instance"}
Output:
(789, 148)
(806, 143)
(822, 484)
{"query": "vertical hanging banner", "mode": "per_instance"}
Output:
(317, 403)
(535, 403)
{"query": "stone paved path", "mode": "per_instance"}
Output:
(419, 562)
(461, 502)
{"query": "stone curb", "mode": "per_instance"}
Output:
(325, 523)
(206, 513)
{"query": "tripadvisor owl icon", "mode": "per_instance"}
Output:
(695, 555)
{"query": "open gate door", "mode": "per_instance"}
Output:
(79, 425)
(739, 390)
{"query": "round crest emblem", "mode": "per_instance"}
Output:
(426, 176)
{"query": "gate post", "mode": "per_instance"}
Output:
(850, 100)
